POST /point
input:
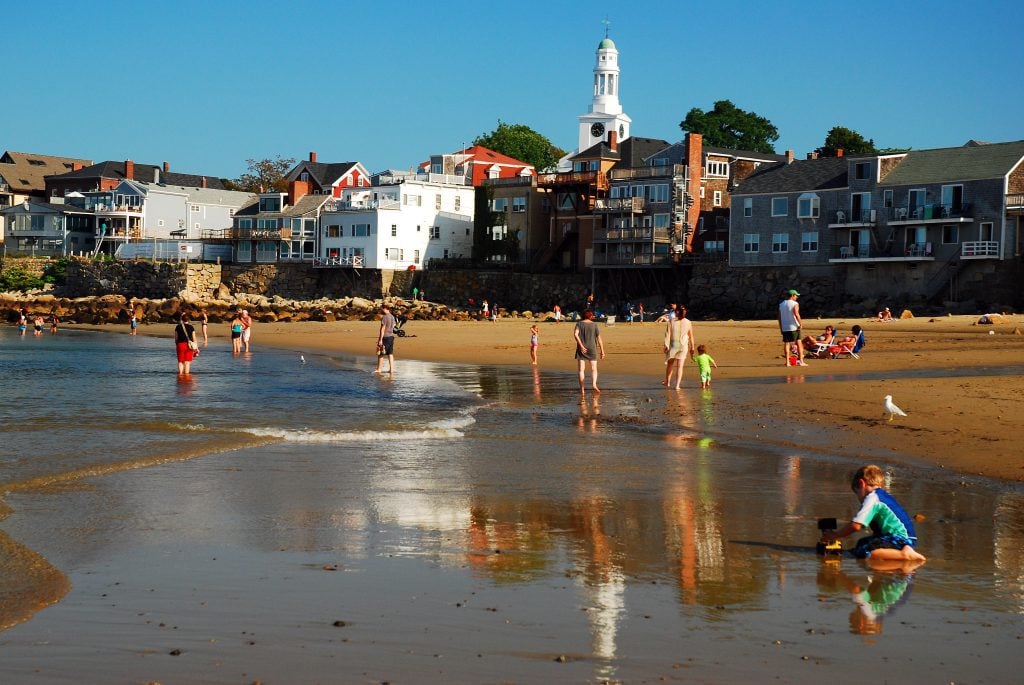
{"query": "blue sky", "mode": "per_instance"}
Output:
(207, 85)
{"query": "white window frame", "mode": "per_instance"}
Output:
(809, 241)
(808, 206)
(751, 243)
(780, 243)
(519, 204)
(499, 204)
(784, 201)
(394, 230)
(717, 199)
(716, 168)
(748, 206)
(435, 232)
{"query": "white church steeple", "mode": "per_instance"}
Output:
(605, 113)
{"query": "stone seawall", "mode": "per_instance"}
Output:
(511, 291)
(30, 265)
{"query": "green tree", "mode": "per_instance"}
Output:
(265, 175)
(847, 140)
(730, 127)
(523, 143)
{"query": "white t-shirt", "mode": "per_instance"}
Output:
(787, 319)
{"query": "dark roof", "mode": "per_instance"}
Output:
(306, 205)
(634, 150)
(143, 172)
(803, 175)
(597, 151)
(36, 205)
(325, 174)
(27, 171)
(968, 163)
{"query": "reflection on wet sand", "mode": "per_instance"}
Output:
(875, 596)
(28, 583)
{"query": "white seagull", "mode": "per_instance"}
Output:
(302, 359)
(892, 409)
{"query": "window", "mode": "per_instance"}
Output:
(270, 204)
(717, 201)
(194, 208)
(714, 246)
(360, 230)
(952, 199)
(808, 206)
(196, 225)
(861, 170)
(702, 192)
(519, 204)
(950, 235)
(720, 169)
(266, 223)
(304, 176)
(435, 232)
(809, 241)
(309, 228)
(887, 198)
(245, 223)
(458, 202)
(412, 200)
(396, 254)
(780, 242)
(416, 256)
(661, 220)
(986, 231)
(333, 231)
(160, 222)
(780, 206)
(748, 206)
(751, 243)
(500, 204)
(394, 230)
(437, 201)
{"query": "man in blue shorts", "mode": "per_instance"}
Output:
(893, 536)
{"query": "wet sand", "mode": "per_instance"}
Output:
(960, 386)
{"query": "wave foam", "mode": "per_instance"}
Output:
(312, 436)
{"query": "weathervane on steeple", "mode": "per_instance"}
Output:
(607, 24)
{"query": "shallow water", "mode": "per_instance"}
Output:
(475, 524)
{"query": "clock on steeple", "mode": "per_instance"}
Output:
(597, 130)
(605, 111)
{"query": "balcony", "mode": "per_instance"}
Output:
(980, 249)
(843, 218)
(1015, 202)
(666, 171)
(634, 205)
(353, 261)
(594, 179)
(246, 234)
(632, 260)
(912, 252)
(633, 235)
(513, 181)
(957, 213)
(362, 205)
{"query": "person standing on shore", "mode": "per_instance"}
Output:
(236, 333)
(556, 311)
(246, 329)
(185, 344)
(205, 319)
(790, 324)
(386, 340)
(534, 343)
(678, 343)
(589, 348)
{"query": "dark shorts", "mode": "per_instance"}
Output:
(866, 545)
(389, 344)
(790, 336)
(235, 335)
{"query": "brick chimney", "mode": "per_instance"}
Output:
(77, 166)
(167, 167)
(296, 191)
(839, 152)
(204, 182)
(129, 169)
(789, 156)
(312, 157)
(694, 170)
(812, 155)
(613, 140)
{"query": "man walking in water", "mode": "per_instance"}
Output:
(386, 340)
(789, 324)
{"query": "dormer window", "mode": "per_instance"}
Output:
(861, 171)
(304, 176)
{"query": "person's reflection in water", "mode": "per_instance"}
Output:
(887, 587)
(536, 383)
(707, 408)
(795, 379)
(588, 414)
(186, 384)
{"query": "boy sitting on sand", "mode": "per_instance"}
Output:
(893, 535)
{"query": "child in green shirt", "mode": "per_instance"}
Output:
(704, 364)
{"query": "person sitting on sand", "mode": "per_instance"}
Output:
(885, 315)
(893, 536)
(826, 338)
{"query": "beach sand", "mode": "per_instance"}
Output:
(202, 572)
(959, 382)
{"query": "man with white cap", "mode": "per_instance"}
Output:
(789, 324)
